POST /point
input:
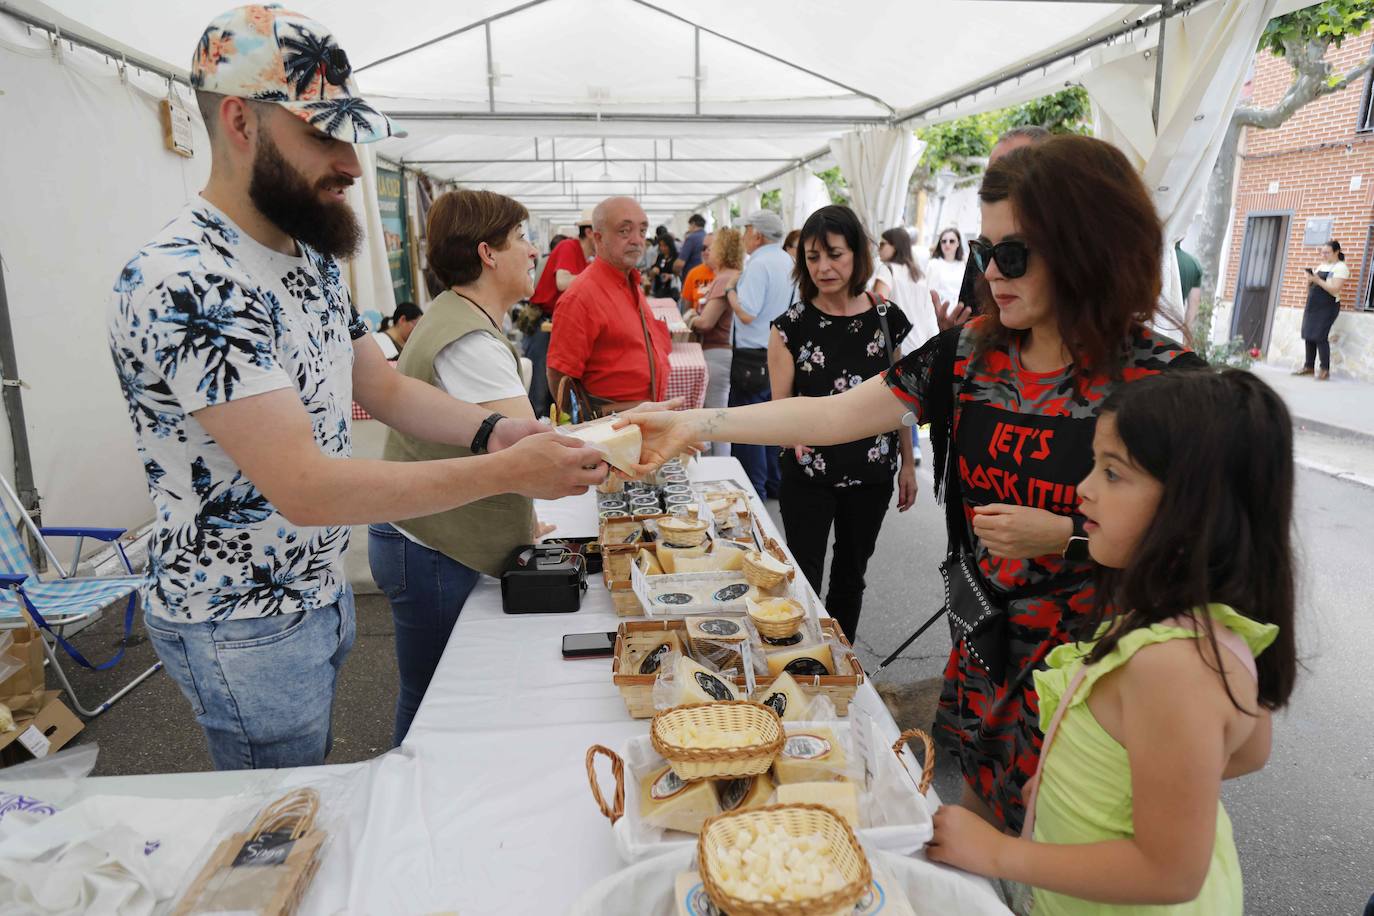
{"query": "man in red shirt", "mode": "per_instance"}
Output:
(604, 334)
(567, 259)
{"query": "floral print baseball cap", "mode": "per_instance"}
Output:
(270, 54)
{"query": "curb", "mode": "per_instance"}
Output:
(1331, 429)
(1360, 480)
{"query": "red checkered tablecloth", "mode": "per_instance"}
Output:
(359, 413)
(666, 311)
(687, 375)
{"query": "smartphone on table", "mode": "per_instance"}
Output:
(589, 645)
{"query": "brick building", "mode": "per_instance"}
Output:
(1297, 185)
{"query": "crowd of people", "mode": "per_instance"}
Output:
(1119, 566)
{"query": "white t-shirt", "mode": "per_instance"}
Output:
(387, 344)
(204, 315)
(913, 298)
(478, 368)
(1336, 270)
(945, 277)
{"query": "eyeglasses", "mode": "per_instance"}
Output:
(949, 241)
(1011, 257)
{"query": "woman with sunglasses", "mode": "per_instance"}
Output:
(945, 269)
(1070, 254)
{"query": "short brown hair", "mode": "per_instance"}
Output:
(1084, 210)
(728, 249)
(834, 220)
(459, 221)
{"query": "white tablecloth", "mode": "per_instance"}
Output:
(485, 808)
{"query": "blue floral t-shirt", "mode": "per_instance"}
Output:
(204, 315)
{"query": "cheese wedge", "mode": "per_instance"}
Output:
(648, 563)
(667, 556)
(785, 698)
(690, 894)
(651, 659)
(840, 797)
(695, 683)
(620, 446)
(744, 794)
(707, 563)
(666, 801)
(802, 661)
(810, 753)
(717, 629)
(731, 554)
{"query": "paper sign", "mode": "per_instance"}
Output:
(861, 729)
(37, 743)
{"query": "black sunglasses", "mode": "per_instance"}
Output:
(1011, 257)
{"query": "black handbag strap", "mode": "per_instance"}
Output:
(881, 305)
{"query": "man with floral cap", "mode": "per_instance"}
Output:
(239, 354)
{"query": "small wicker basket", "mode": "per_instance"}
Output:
(689, 763)
(775, 628)
(678, 531)
(722, 830)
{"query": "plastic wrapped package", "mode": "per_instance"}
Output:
(683, 680)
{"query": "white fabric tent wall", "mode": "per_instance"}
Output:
(803, 193)
(877, 165)
(85, 180)
(1205, 59)
(369, 273)
(720, 214)
(749, 200)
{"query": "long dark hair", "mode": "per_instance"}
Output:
(1222, 446)
(834, 219)
(958, 237)
(901, 251)
(1088, 218)
(407, 310)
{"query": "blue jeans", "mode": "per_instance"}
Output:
(427, 591)
(537, 350)
(262, 689)
(760, 461)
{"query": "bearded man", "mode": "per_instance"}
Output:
(239, 353)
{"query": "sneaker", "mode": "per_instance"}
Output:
(1305, 370)
(1324, 375)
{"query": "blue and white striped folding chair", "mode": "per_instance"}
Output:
(56, 605)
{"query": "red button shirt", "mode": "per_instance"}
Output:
(566, 255)
(598, 336)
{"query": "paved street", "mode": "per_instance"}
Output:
(1305, 825)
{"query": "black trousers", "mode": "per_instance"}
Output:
(808, 512)
(1316, 348)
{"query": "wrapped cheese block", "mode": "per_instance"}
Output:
(811, 753)
(802, 661)
(666, 801)
(744, 794)
(620, 446)
(650, 659)
(785, 698)
(717, 629)
(840, 797)
(694, 683)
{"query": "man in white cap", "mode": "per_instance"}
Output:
(239, 354)
(763, 293)
(568, 259)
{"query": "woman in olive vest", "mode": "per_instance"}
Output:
(427, 566)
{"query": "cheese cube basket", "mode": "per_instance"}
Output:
(754, 719)
(637, 636)
(843, 852)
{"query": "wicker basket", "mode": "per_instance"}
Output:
(928, 768)
(762, 577)
(798, 820)
(691, 763)
(776, 629)
(677, 531)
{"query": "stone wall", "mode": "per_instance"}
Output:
(1352, 340)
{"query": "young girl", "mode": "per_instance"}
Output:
(1189, 506)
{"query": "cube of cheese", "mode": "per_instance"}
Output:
(785, 698)
(666, 801)
(840, 797)
(620, 446)
(803, 661)
(810, 753)
(694, 683)
(744, 794)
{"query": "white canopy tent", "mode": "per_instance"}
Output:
(558, 103)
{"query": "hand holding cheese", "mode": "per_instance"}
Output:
(547, 466)
(620, 446)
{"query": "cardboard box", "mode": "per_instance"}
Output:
(40, 735)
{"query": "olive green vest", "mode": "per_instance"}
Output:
(482, 534)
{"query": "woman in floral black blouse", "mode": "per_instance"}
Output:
(830, 341)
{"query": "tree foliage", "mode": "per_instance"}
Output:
(964, 144)
(835, 184)
(1328, 23)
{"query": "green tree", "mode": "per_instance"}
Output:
(835, 184)
(964, 144)
(771, 200)
(1302, 38)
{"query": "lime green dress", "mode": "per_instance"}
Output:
(1085, 785)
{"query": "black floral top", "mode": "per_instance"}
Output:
(831, 356)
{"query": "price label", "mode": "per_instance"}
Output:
(37, 742)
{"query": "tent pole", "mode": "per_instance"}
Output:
(447, 35)
(696, 68)
(1166, 9)
(14, 409)
(491, 72)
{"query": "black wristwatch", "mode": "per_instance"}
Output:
(1076, 550)
(479, 441)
